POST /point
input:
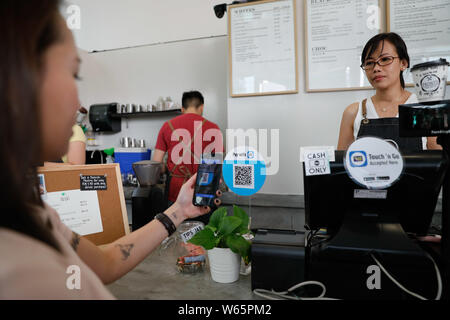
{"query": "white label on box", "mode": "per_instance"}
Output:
(317, 161)
(187, 235)
(370, 194)
(328, 151)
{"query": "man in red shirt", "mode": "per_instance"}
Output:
(185, 138)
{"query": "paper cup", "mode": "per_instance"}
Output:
(430, 80)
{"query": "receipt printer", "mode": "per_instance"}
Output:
(278, 259)
(103, 118)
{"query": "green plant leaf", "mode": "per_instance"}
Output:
(230, 241)
(213, 229)
(204, 238)
(217, 217)
(241, 214)
(239, 245)
(228, 225)
(244, 231)
(220, 243)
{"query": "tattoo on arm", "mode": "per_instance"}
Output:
(125, 249)
(75, 241)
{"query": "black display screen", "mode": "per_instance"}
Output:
(424, 119)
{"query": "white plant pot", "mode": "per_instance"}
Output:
(224, 265)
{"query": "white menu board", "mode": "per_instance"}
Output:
(263, 48)
(425, 27)
(78, 210)
(336, 32)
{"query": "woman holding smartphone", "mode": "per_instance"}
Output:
(384, 59)
(38, 100)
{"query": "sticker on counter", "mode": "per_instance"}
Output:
(369, 194)
(317, 160)
(93, 183)
(373, 163)
(317, 166)
(186, 236)
(319, 151)
(244, 171)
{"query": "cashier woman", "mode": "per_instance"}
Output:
(39, 66)
(384, 59)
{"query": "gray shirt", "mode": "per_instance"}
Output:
(30, 269)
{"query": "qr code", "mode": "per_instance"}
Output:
(243, 176)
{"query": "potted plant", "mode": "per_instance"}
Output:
(223, 238)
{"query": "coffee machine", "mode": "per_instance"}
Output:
(148, 197)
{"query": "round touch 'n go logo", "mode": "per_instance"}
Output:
(358, 159)
(373, 163)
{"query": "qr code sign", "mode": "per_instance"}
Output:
(243, 176)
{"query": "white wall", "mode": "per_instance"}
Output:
(154, 48)
(304, 119)
(140, 75)
(107, 24)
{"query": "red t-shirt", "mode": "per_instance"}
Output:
(188, 165)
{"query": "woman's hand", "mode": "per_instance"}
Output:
(183, 208)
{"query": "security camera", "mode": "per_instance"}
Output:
(220, 10)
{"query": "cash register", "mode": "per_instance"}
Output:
(351, 231)
(362, 232)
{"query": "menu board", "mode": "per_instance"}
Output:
(89, 199)
(263, 48)
(336, 32)
(425, 27)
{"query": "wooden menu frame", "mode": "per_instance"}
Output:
(389, 24)
(307, 49)
(111, 201)
(230, 51)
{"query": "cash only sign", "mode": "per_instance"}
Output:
(373, 163)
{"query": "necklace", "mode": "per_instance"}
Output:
(384, 109)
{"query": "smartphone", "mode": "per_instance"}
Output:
(207, 182)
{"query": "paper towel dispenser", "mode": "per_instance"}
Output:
(102, 118)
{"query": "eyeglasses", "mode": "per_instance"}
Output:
(383, 61)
